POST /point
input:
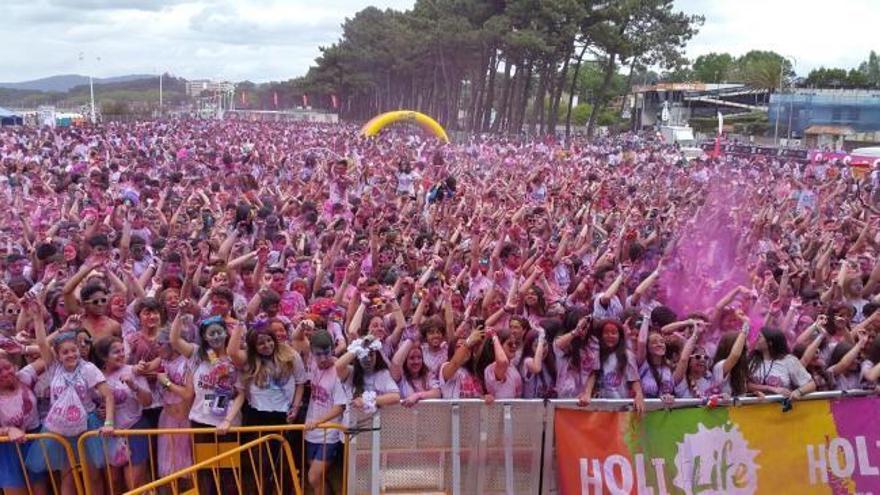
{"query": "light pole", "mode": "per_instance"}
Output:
(790, 105)
(776, 126)
(92, 115)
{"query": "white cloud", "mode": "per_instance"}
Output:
(259, 40)
(265, 40)
(815, 33)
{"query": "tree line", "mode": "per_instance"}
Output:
(494, 65)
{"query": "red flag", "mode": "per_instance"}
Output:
(334, 101)
(244, 97)
(305, 101)
(717, 151)
(275, 98)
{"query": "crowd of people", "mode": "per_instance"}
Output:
(222, 273)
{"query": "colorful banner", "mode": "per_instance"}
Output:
(822, 447)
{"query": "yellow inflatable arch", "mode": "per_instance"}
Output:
(379, 122)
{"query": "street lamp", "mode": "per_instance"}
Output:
(790, 103)
(92, 115)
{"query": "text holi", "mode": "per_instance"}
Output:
(615, 474)
(840, 457)
(717, 473)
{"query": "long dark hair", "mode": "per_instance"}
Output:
(358, 375)
(549, 362)
(739, 375)
(478, 360)
(422, 375)
(101, 350)
(569, 324)
(777, 347)
(655, 369)
(619, 350)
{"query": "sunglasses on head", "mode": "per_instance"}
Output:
(98, 301)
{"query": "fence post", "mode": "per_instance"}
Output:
(508, 450)
(456, 450)
(482, 454)
(549, 434)
(352, 463)
(375, 450)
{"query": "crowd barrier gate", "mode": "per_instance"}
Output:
(214, 464)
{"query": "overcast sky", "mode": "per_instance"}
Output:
(264, 40)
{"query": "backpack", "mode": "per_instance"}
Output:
(67, 415)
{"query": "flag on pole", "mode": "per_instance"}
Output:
(305, 101)
(334, 101)
(717, 151)
(243, 97)
(275, 98)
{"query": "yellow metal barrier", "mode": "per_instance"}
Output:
(245, 473)
(214, 463)
(25, 452)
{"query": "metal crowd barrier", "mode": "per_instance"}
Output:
(250, 470)
(25, 451)
(214, 464)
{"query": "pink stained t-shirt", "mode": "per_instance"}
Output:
(510, 387)
(128, 408)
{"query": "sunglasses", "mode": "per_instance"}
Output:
(319, 353)
(97, 301)
(13, 311)
(700, 357)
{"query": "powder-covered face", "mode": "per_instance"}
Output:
(265, 345)
(215, 336)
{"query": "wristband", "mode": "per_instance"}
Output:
(108, 423)
(166, 384)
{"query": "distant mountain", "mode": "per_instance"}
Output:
(65, 82)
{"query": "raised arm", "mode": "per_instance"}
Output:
(177, 342)
(234, 348)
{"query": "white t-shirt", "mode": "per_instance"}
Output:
(85, 378)
(613, 310)
(277, 393)
(128, 408)
(408, 387)
(613, 384)
(435, 359)
(462, 385)
(787, 372)
(216, 386)
(510, 387)
(19, 408)
(571, 382)
(326, 393)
